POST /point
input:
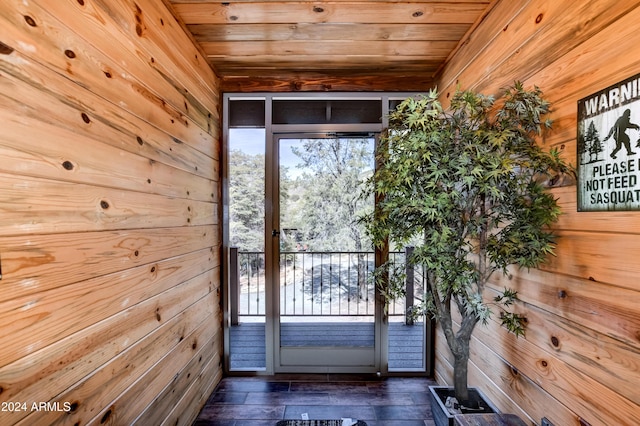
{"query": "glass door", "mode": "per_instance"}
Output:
(296, 264)
(326, 315)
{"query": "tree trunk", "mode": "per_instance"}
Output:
(362, 281)
(460, 370)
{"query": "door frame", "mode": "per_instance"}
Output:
(313, 359)
(266, 122)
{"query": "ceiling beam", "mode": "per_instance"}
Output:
(412, 83)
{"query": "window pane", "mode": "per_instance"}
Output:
(246, 240)
(246, 113)
(326, 111)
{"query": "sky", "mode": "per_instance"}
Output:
(252, 141)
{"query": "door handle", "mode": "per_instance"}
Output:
(275, 233)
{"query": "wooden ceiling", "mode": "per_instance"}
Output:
(401, 43)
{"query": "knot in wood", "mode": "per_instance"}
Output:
(5, 50)
(30, 21)
(106, 416)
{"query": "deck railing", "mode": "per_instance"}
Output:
(316, 284)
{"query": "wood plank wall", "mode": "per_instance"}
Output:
(109, 215)
(580, 361)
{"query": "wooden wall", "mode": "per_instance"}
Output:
(580, 361)
(109, 215)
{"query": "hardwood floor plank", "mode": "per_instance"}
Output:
(256, 401)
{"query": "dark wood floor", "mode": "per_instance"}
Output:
(406, 343)
(263, 401)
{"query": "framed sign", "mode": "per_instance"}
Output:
(608, 145)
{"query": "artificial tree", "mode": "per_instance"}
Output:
(466, 187)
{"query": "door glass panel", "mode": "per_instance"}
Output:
(246, 159)
(326, 297)
(407, 335)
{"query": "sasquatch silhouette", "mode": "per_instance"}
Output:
(619, 133)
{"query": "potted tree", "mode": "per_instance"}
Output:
(466, 187)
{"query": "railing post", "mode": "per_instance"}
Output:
(408, 253)
(234, 285)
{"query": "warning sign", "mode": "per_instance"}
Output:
(609, 148)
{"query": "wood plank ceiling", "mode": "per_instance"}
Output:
(328, 45)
